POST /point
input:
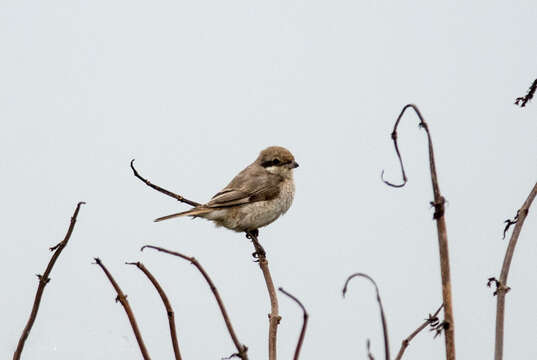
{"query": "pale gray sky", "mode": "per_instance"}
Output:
(193, 91)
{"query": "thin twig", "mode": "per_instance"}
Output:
(122, 298)
(274, 316)
(382, 315)
(368, 348)
(43, 281)
(523, 100)
(501, 285)
(162, 190)
(167, 305)
(304, 323)
(439, 216)
(431, 320)
(242, 349)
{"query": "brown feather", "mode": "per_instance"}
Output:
(252, 184)
(192, 212)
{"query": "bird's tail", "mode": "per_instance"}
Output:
(192, 212)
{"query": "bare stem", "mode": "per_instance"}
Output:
(43, 281)
(162, 190)
(502, 287)
(382, 315)
(274, 316)
(431, 320)
(304, 323)
(439, 216)
(122, 298)
(167, 305)
(241, 349)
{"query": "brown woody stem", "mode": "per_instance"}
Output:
(241, 349)
(122, 298)
(167, 305)
(43, 281)
(439, 216)
(162, 190)
(304, 323)
(382, 315)
(409, 338)
(502, 287)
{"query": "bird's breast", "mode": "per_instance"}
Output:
(287, 193)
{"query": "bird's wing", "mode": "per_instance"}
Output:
(252, 184)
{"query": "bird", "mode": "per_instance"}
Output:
(255, 198)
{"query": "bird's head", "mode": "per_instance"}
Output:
(277, 160)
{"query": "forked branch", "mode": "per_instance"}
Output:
(167, 305)
(241, 349)
(439, 216)
(523, 100)
(43, 281)
(431, 320)
(501, 284)
(122, 298)
(304, 323)
(382, 315)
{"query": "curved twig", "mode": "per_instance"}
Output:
(162, 190)
(167, 305)
(431, 320)
(242, 349)
(382, 316)
(43, 281)
(304, 323)
(501, 285)
(122, 298)
(438, 204)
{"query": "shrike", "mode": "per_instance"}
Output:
(256, 197)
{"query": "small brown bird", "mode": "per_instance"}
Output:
(256, 197)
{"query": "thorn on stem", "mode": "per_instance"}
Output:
(438, 208)
(509, 223)
(439, 327)
(523, 100)
(498, 285)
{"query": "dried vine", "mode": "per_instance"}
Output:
(439, 216)
(43, 281)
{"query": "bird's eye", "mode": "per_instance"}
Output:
(275, 162)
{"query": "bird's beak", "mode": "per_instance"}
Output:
(294, 165)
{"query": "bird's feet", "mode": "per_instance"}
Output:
(259, 251)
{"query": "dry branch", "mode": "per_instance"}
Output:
(431, 320)
(167, 305)
(382, 315)
(43, 281)
(122, 298)
(274, 316)
(439, 216)
(162, 190)
(241, 349)
(501, 284)
(523, 100)
(304, 323)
